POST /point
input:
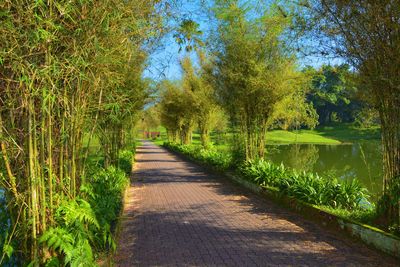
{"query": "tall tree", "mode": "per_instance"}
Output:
(333, 92)
(168, 110)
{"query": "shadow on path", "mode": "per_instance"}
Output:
(178, 215)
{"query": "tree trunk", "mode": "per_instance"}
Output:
(390, 127)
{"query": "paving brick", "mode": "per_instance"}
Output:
(177, 215)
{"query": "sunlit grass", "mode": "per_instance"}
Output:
(333, 134)
(302, 136)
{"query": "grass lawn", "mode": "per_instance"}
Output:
(333, 134)
(346, 132)
(302, 136)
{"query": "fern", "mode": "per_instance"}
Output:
(81, 255)
(71, 238)
(59, 239)
(85, 223)
(79, 211)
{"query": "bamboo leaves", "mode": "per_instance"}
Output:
(253, 69)
(56, 58)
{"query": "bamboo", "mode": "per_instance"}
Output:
(4, 153)
(33, 183)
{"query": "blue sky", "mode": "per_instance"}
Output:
(163, 63)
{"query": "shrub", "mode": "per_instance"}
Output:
(308, 187)
(211, 157)
(76, 226)
(104, 191)
(86, 223)
(305, 186)
(125, 160)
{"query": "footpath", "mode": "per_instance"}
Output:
(176, 214)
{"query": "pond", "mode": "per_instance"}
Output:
(361, 160)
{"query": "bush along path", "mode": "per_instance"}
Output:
(176, 214)
(84, 227)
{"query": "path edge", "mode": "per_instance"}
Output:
(121, 217)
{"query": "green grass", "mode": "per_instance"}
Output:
(333, 134)
(274, 137)
(302, 136)
(346, 132)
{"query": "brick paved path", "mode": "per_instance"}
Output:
(177, 215)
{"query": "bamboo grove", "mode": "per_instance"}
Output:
(67, 68)
(248, 75)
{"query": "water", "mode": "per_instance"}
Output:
(361, 160)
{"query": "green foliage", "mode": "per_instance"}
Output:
(8, 250)
(366, 118)
(177, 112)
(84, 225)
(66, 68)
(254, 70)
(355, 28)
(188, 35)
(334, 93)
(125, 160)
(150, 119)
(294, 112)
(307, 187)
(76, 225)
(367, 215)
(7, 245)
(211, 157)
(388, 206)
(104, 190)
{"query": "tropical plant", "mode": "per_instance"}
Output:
(70, 239)
(84, 226)
(308, 187)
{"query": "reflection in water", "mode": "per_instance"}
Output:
(303, 157)
(361, 160)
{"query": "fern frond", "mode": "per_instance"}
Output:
(58, 239)
(81, 255)
(77, 211)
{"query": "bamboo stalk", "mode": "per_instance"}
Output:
(33, 183)
(7, 164)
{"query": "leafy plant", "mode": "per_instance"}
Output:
(84, 225)
(70, 239)
(210, 157)
(125, 161)
(308, 187)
